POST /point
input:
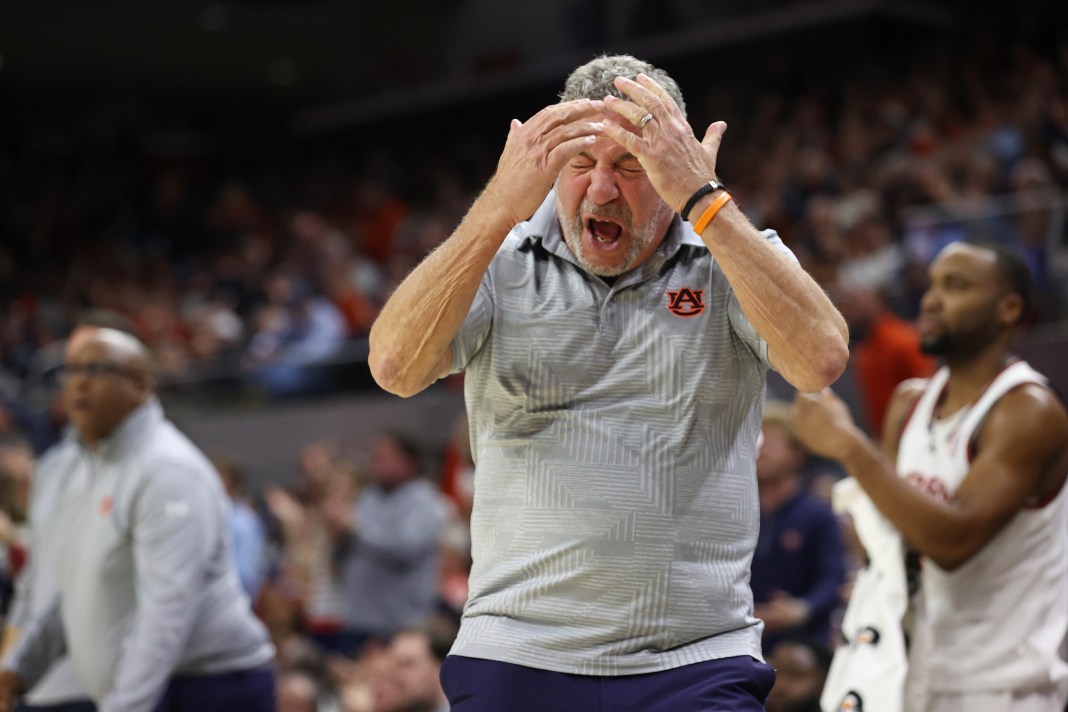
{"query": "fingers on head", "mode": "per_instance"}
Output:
(650, 85)
(625, 137)
(638, 94)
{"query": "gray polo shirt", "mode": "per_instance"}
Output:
(614, 430)
(147, 587)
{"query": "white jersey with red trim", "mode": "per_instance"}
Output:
(998, 622)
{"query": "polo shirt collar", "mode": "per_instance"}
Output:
(131, 428)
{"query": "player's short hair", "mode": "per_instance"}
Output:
(1014, 271)
(593, 80)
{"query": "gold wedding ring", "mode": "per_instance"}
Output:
(644, 120)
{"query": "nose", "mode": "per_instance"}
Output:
(603, 188)
(930, 300)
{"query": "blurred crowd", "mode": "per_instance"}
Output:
(231, 254)
(235, 249)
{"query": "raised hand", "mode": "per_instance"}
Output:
(675, 161)
(536, 151)
(823, 424)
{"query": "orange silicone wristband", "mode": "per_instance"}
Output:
(710, 211)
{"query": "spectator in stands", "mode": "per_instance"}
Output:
(799, 563)
(297, 692)
(390, 552)
(801, 666)
(298, 331)
(416, 655)
(16, 471)
(313, 524)
(885, 349)
(247, 531)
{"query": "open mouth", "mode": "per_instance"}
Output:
(604, 231)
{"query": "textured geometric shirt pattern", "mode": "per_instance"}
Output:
(614, 429)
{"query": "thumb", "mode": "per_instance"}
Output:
(515, 124)
(714, 134)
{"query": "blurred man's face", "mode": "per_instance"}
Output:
(964, 309)
(798, 678)
(390, 466)
(296, 693)
(776, 467)
(416, 670)
(100, 390)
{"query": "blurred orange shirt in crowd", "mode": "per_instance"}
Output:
(888, 355)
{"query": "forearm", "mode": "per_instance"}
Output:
(397, 547)
(936, 529)
(41, 644)
(807, 337)
(413, 332)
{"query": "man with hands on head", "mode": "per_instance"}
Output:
(971, 473)
(615, 357)
(149, 605)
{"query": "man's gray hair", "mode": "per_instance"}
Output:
(593, 80)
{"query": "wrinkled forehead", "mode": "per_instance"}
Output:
(605, 149)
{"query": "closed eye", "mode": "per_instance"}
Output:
(630, 166)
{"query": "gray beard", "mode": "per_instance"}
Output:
(572, 226)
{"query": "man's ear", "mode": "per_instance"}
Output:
(1011, 309)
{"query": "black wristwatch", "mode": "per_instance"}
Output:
(709, 187)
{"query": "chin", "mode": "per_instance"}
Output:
(605, 270)
(935, 346)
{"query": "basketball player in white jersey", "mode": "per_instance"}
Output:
(971, 473)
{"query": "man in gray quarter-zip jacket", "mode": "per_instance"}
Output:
(149, 607)
(58, 690)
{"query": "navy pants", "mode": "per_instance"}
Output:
(246, 690)
(739, 684)
(79, 706)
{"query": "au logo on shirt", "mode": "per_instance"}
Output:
(686, 302)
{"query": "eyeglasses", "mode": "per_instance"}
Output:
(95, 369)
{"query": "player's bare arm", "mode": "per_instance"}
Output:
(1021, 459)
(410, 339)
(1020, 448)
(807, 337)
